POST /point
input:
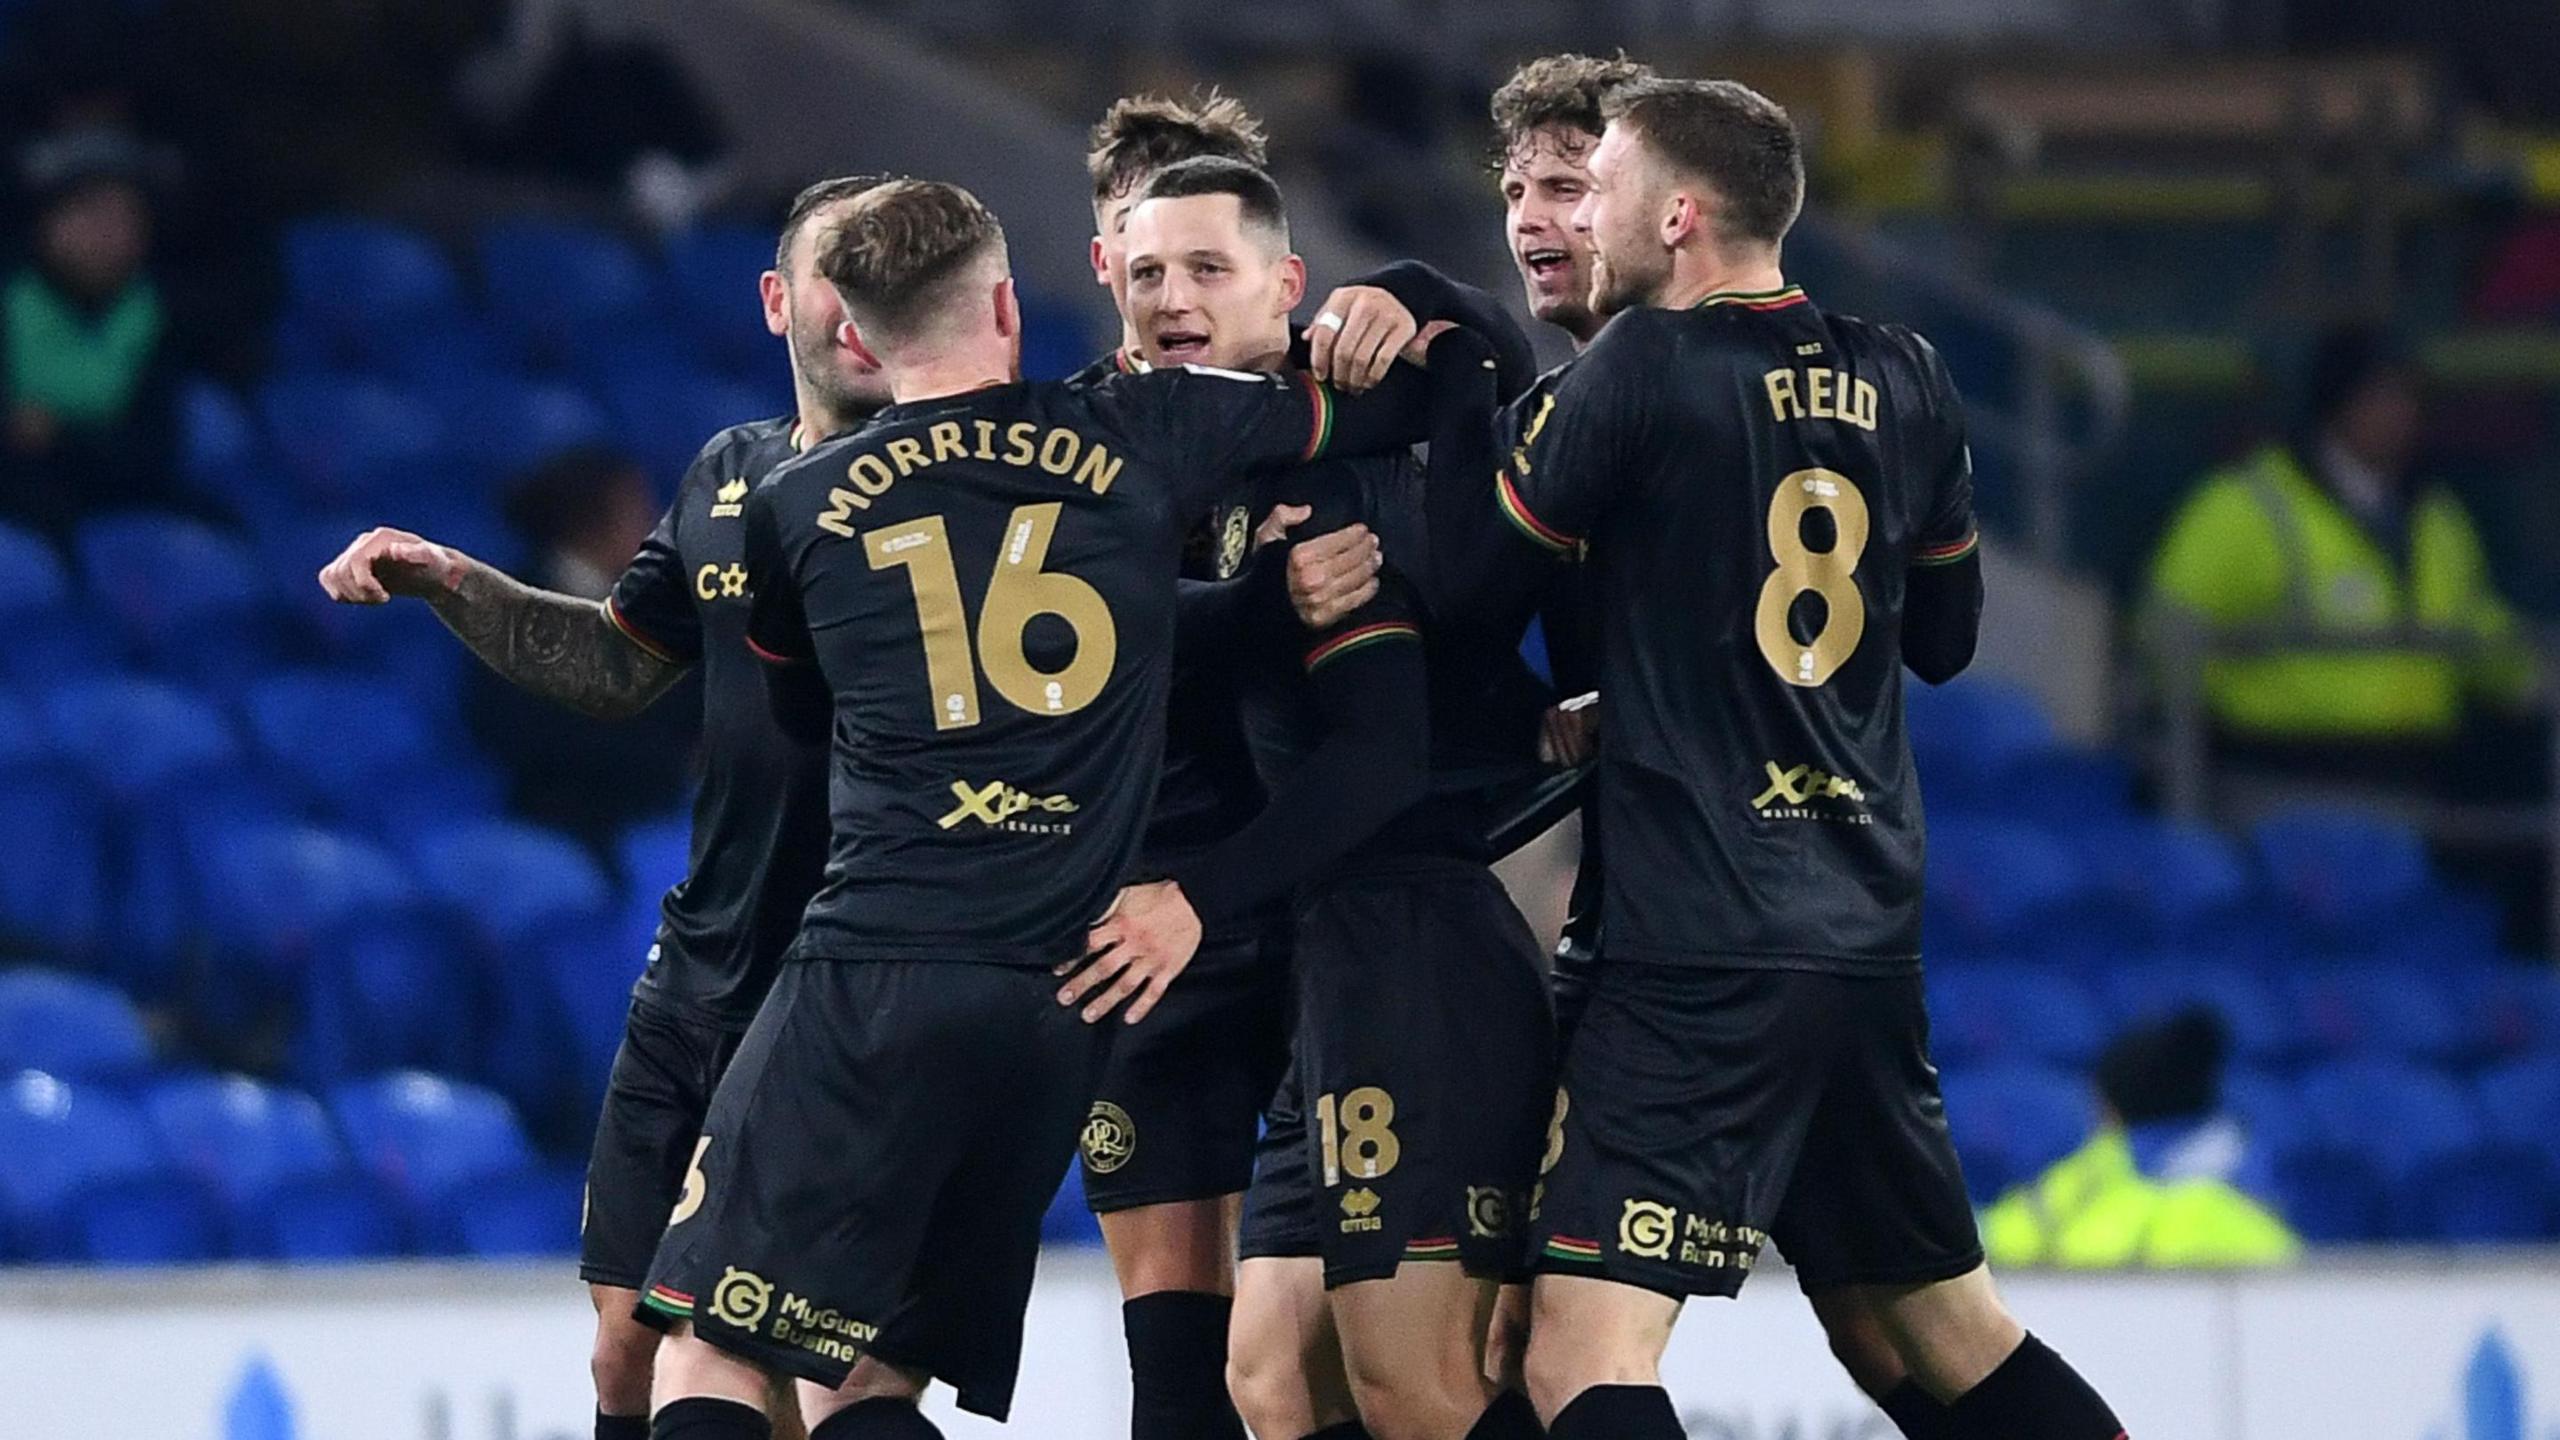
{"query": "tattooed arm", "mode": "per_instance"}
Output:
(552, 645)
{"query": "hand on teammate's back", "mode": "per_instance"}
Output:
(1367, 330)
(383, 562)
(1334, 574)
(1133, 952)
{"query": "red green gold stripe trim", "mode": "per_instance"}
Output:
(1442, 1248)
(1949, 553)
(1120, 361)
(1517, 511)
(668, 1302)
(631, 632)
(1565, 1247)
(1758, 299)
(1322, 433)
(1350, 640)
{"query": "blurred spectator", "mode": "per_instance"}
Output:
(88, 372)
(2165, 1181)
(2335, 536)
(572, 93)
(584, 513)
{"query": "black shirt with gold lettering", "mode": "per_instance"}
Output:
(760, 817)
(985, 584)
(1777, 508)
(1209, 789)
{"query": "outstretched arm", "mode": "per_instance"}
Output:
(556, 646)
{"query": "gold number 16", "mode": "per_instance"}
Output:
(1019, 592)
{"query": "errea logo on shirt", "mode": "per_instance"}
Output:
(729, 500)
(999, 806)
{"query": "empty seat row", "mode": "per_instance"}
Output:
(201, 1167)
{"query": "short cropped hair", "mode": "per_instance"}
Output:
(1257, 195)
(1571, 91)
(1728, 135)
(1141, 134)
(808, 203)
(901, 245)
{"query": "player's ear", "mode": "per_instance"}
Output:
(1681, 218)
(1293, 283)
(1008, 308)
(777, 303)
(1101, 267)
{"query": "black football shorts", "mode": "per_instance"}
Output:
(1706, 1110)
(1423, 1075)
(875, 1166)
(661, 1085)
(1180, 1101)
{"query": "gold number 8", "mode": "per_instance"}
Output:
(1827, 573)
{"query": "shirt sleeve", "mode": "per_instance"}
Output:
(1578, 440)
(1227, 423)
(652, 603)
(1371, 691)
(1947, 532)
(1431, 296)
(777, 626)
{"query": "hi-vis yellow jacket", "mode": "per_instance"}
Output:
(2094, 1210)
(2261, 544)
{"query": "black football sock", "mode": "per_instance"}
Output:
(703, 1418)
(1509, 1417)
(878, 1419)
(1347, 1430)
(1620, 1412)
(1915, 1412)
(621, 1427)
(1178, 1367)
(2034, 1392)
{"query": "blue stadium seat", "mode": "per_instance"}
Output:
(278, 888)
(25, 740)
(72, 1150)
(1068, 1220)
(69, 1027)
(711, 274)
(666, 413)
(158, 1220)
(366, 277)
(1058, 339)
(1996, 885)
(243, 1139)
(2347, 876)
(2013, 1121)
(655, 854)
(138, 737)
(342, 1217)
(2263, 1026)
(2012, 1012)
(2176, 883)
(191, 600)
(503, 424)
(558, 282)
(2411, 1124)
(426, 1138)
(2394, 1011)
(400, 989)
(38, 580)
(517, 880)
(344, 740)
(1967, 735)
(2517, 1011)
(2067, 786)
(54, 894)
(589, 971)
(530, 1213)
(2269, 1109)
(345, 439)
(2520, 1103)
(220, 450)
(52, 633)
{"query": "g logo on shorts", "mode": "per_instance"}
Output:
(1645, 1228)
(1110, 1138)
(1488, 1212)
(741, 1298)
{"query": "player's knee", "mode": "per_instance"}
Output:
(1563, 1362)
(1411, 1396)
(1861, 1344)
(1270, 1392)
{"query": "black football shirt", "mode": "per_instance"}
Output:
(760, 817)
(1754, 481)
(986, 584)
